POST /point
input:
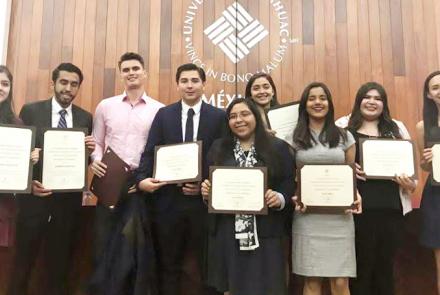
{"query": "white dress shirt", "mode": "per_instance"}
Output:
(56, 108)
(196, 118)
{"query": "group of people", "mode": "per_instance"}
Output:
(141, 242)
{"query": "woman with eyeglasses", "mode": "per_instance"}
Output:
(246, 252)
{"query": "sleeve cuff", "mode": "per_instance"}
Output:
(283, 202)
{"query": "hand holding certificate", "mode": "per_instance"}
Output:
(108, 187)
(386, 158)
(283, 119)
(327, 188)
(238, 190)
(64, 160)
(178, 163)
(15, 165)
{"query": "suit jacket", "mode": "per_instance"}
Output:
(167, 129)
(273, 224)
(39, 114)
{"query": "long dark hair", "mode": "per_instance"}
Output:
(330, 133)
(7, 114)
(274, 100)
(263, 143)
(387, 127)
(430, 112)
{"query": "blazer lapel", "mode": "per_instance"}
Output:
(203, 122)
(177, 122)
(46, 114)
(76, 119)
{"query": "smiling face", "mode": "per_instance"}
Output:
(132, 74)
(371, 105)
(190, 87)
(5, 87)
(66, 88)
(242, 121)
(262, 92)
(434, 89)
(317, 104)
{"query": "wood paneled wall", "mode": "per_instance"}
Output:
(341, 42)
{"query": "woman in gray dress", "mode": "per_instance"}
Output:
(322, 244)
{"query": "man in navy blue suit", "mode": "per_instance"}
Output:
(180, 214)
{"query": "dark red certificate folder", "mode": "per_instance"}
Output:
(108, 188)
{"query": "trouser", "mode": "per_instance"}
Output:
(51, 223)
(177, 234)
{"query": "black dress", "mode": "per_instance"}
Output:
(261, 271)
(430, 208)
(430, 204)
(378, 233)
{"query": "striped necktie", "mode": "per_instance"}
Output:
(62, 122)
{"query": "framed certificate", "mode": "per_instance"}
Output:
(327, 188)
(178, 163)
(237, 190)
(435, 179)
(16, 145)
(283, 120)
(64, 159)
(386, 158)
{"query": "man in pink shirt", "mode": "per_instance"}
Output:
(123, 123)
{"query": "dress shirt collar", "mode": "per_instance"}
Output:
(56, 107)
(143, 98)
(197, 107)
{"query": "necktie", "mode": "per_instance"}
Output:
(189, 128)
(62, 122)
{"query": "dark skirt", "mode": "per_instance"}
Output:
(258, 272)
(430, 208)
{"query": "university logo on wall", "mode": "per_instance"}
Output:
(237, 31)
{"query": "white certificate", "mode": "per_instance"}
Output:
(64, 160)
(386, 158)
(178, 163)
(15, 166)
(436, 163)
(237, 190)
(283, 120)
(327, 186)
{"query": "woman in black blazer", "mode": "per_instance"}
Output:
(254, 264)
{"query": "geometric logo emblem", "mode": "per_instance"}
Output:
(236, 32)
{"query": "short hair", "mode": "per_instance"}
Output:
(190, 67)
(67, 67)
(131, 56)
